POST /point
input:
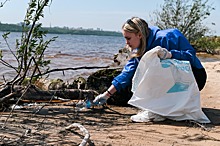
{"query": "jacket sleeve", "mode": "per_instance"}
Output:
(178, 45)
(124, 79)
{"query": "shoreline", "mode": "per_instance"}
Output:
(71, 75)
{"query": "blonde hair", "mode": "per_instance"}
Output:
(138, 25)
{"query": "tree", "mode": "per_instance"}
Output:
(31, 63)
(29, 52)
(31, 47)
(186, 15)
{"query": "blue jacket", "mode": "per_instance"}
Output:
(171, 39)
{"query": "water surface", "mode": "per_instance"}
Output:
(68, 51)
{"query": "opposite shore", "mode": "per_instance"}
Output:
(61, 30)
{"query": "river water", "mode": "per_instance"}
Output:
(68, 51)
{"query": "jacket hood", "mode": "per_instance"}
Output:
(153, 31)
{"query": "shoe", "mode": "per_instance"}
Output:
(147, 116)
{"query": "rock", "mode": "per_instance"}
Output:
(121, 58)
(45, 84)
(78, 83)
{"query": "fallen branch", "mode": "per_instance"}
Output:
(71, 94)
(33, 93)
(6, 96)
(76, 68)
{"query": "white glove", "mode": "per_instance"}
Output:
(100, 99)
(163, 53)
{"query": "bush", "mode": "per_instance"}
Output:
(209, 45)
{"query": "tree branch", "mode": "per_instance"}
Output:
(3, 3)
(76, 68)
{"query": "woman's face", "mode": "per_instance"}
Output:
(132, 39)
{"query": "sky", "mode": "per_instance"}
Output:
(106, 15)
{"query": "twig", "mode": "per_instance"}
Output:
(8, 65)
(25, 73)
(83, 129)
(36, 17)
(2, 3)
(42, 107)
(7, 97)
(15, 106)
(76, 68)
(200, 125)
(5, 38)
(36, 68)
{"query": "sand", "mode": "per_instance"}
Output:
(112, 126)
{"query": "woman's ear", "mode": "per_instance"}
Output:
(139, 35)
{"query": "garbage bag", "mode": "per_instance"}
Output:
(167, 88)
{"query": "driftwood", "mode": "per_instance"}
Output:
(79, 89)
(73, 94)
(6, 94)
(33, 93)
(21, 86)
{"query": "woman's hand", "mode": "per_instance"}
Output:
(101, 99)
(163, 53)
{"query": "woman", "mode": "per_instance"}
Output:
(141, 38)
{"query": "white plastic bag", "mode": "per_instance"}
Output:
(167, 87)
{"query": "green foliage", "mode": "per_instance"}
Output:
(186, 15)
(32, 44)
(207, 44)
(27, 80)
(5, 35)
(1, 54)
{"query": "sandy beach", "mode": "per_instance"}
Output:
(112, 126)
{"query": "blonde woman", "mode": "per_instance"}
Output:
(141, 38)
